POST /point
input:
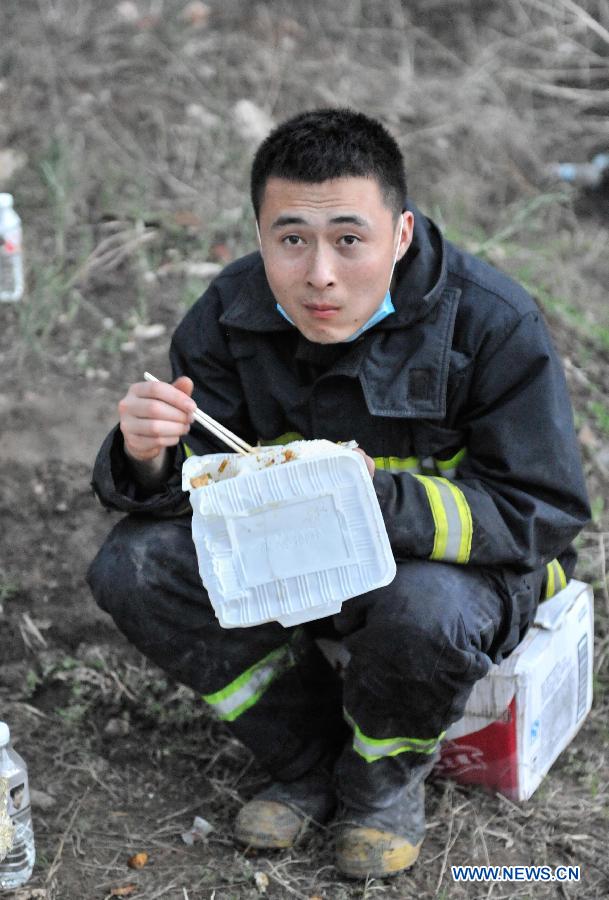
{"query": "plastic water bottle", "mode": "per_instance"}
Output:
(16, 867)
(11, 255)
(586, 175)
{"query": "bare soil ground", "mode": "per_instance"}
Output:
(126, 133)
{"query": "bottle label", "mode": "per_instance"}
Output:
(18, 794)
(10, 242)
(18, 798)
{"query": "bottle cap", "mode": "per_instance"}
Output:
(5, 734)
(6, 200)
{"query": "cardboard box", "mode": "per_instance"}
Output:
(523, 714)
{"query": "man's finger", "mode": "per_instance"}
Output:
(159, 390)
(153, 427)
(150, 408)
(184, 384)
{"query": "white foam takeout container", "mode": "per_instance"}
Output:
(287, 534)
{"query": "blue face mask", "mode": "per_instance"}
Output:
(384, 310)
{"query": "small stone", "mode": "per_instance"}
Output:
(202, 115)
(196, 14)
(117, 727)
(10, 163)
(128, 347)
(148, 332)
(128, 11)
(42, 800)
(587, 437)
(199, 830)
(262, 881)
(252, 122)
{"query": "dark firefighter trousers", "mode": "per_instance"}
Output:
(416, 648)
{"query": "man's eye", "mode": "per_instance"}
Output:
(349, 239)
(292, 239)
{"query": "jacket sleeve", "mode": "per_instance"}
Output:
(199, 349)
(517, 496)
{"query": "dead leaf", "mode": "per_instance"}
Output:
(138, 860)
(185, 218)
(124, 891)
(31, 894)
(222, 253)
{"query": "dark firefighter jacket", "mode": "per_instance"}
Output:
(459, 396)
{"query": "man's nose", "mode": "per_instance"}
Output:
(320, 273)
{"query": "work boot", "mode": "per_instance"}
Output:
(383, 841)
(278, 814)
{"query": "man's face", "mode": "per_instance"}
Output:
(328, 249)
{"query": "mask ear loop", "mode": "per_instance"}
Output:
(397, 250)
(258, 236)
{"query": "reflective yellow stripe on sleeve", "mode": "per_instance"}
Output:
(397, 464)
(372, 749)
(452, 519)
(448, 467)
(248, 688)
(556, 578)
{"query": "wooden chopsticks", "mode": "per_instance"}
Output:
(216, 428)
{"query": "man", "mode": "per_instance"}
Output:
(355, 320)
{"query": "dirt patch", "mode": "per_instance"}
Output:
(134, 166)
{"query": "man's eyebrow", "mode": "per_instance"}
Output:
(280, 221)
(350, 219)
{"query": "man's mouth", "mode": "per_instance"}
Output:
(321, 310)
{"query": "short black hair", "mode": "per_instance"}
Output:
(321, 144)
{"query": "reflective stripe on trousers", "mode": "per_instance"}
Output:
(372, 749)
(556, 579)
(248, 688)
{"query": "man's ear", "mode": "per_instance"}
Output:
(407, 233)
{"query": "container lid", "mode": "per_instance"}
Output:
(5, 734)
(6, 200)
(286, 542)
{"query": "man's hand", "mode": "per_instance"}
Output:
(155, 415)
(370, 464)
